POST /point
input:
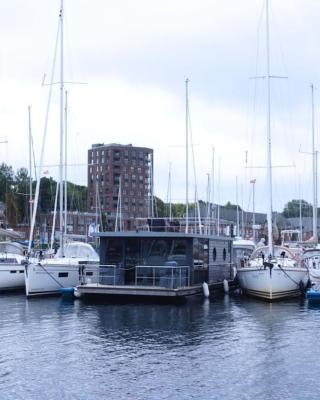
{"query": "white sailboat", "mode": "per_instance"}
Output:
(12, 254)
(272, 272)
(77, 263)
(311, 255)
(74, 262)
(12, 261)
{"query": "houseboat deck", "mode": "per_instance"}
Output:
(132, 290)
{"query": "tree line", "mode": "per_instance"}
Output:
(14, 193)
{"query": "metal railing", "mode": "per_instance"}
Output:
(171, 277)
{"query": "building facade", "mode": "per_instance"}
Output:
(120, 182)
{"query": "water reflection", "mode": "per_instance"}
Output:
(231, 347)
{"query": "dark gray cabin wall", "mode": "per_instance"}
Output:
(219, 269)
(189, 252)
(102, 251)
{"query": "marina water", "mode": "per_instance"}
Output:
(228, 348)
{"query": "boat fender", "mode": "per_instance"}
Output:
(76, 293)
(234, 272)
(205, 289)
(225, 286)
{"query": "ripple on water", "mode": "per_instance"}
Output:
(224, 349)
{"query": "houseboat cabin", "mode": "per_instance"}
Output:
(160, 263)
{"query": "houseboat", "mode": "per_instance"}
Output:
(160, 264)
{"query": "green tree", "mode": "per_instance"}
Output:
(6, 180)
(292, 209)
(161, 208)
(21, 192)
(231, 206)
(47, 193)
(76, 197)
(178, 210)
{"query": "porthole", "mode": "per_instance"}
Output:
(224, 254)
(214, 254)
(63, 274)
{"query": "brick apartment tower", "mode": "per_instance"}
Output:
(110, 165)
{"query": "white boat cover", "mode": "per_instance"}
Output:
(78, 250)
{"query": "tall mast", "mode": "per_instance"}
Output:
(187, 158)
(61, 130)
(314, 175)
(253, 210)
(242, 214)
(65, 162)
(300, 211)
(212, 183)
(30, 168)
(218, 198)
(207, 226)
(169, 193)
(238, 215)
(269, 172)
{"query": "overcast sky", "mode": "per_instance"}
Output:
(135, 56)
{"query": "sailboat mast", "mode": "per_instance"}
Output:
(65, 162)
(314, 174)
(238, 215)
(269, 172)
(30, 168)
(61, 130)
(212, 183)
(187, 157)
(300, 211)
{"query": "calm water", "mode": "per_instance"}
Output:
(229, 348)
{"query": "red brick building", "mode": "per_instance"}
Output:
(115, 166)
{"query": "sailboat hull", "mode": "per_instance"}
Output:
(272, 284)
(11, 277)
(47, 279)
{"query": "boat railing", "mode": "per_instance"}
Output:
(168, 276)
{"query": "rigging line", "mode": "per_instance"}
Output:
(51, 276)
(256, 73)
(36, 198)
(287, 275)
(54, 217)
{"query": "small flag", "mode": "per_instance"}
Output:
(253, 181)
(46, 172)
